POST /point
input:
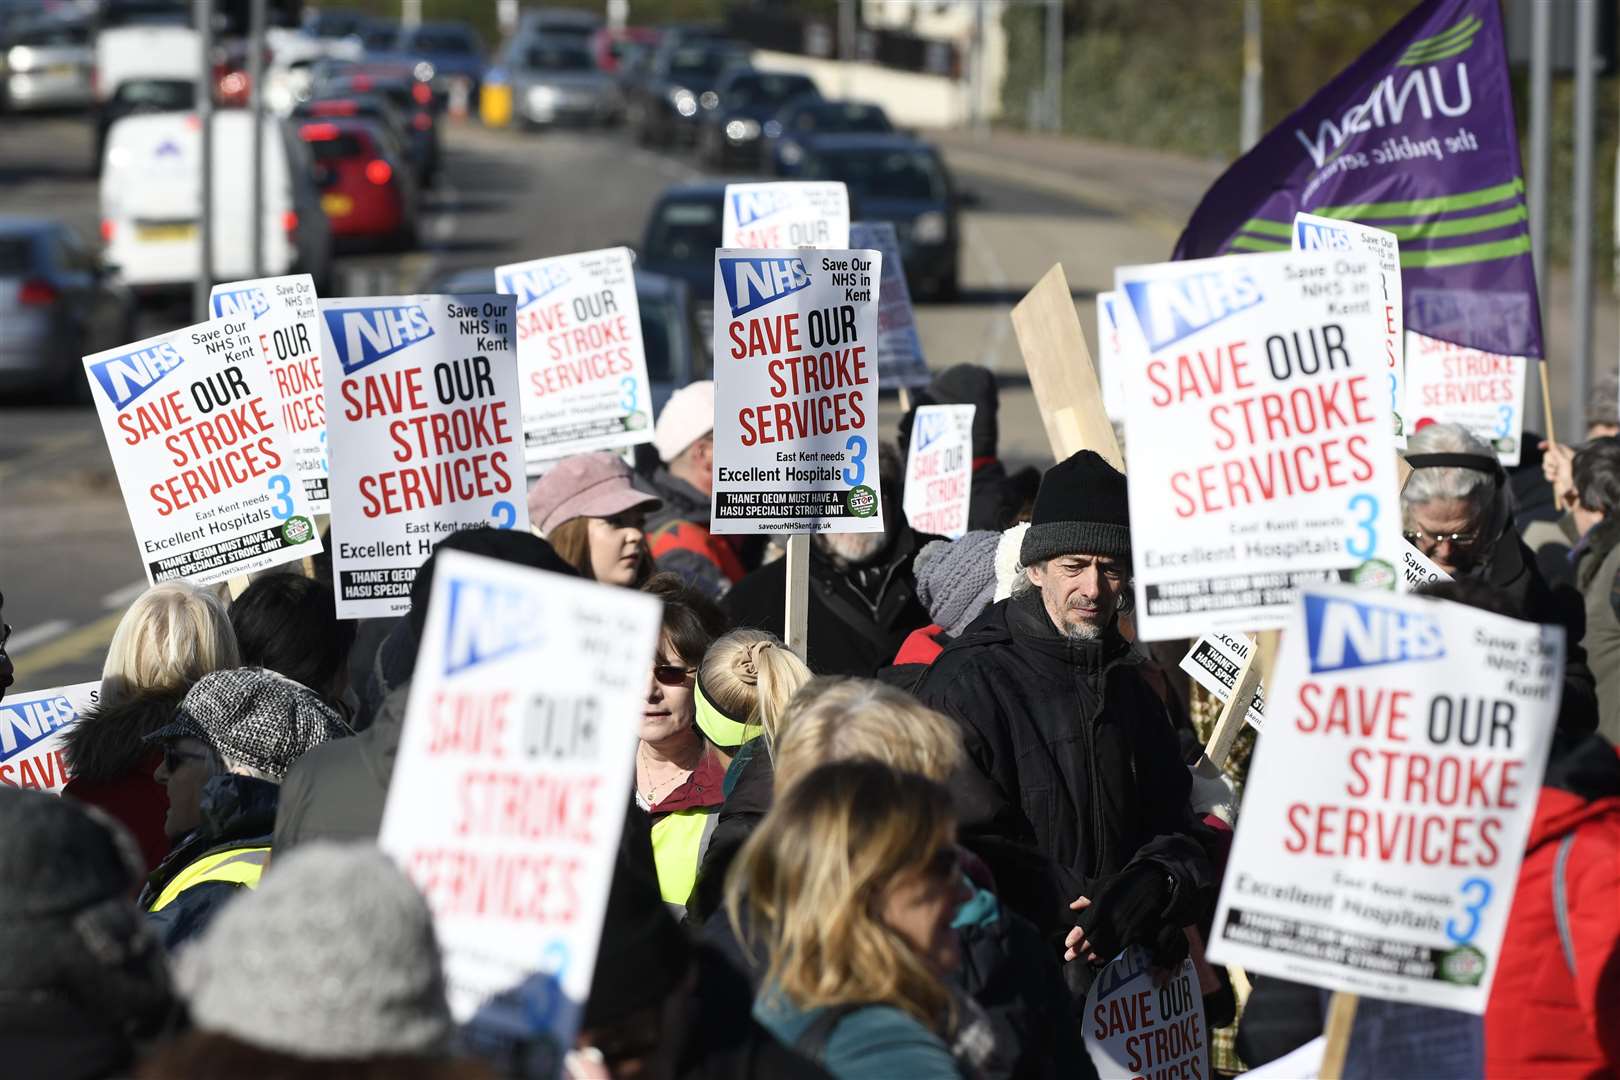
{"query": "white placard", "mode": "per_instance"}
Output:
(899, 347)
(511, 785)
(939, 470)
(426, 436)
(1313, 233)
(1136, 1029)
(1417, 569)
(1110, 361)
(1262, 458)
(1214, 662)
(796, 392)
(582, 365)
(283, 316)
(786, 214)
(1484, 392)
(1387, 808)
(33, 727)
(193, 425)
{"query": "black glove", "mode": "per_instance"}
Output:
(1127, 910)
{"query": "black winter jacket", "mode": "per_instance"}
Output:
(749, 788)
(237, 812)
(1073, 771)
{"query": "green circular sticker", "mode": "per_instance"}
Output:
(298, 530)
(1464, 965)
(636, 421)
(862, 501)
(1374, 574)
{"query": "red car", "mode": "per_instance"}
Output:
(367, 190)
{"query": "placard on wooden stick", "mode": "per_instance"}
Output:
(1061, 371)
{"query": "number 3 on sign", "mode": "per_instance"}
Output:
(1364, 541)
(1481, 890)
(281, 488)
(857, 460)
(504, 514)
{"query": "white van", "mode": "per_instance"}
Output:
(150, 202)
(144, 51)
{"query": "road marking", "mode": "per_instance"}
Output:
(122, 598)
(1001, 323)
(23, 640)
(90, 638)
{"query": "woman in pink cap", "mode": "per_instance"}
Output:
(591, 513)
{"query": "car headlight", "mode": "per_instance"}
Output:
(684, 100)
(929, 228)
(423, 71)
(709, 100)
(791, 153)
(773, 128)
(742, 130)
(542, 97)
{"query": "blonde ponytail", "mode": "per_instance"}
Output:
(750, 676)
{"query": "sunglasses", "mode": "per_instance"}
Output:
(174, 758)
(1418, 538)
(672, 674)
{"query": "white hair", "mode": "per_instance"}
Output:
(1490, 503)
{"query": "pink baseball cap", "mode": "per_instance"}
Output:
(585, 485)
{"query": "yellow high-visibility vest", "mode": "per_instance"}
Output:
(679, 839)
(237, 866)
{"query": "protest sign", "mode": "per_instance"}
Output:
(582, 366)
(1136, 1029)
(1060, 371)
(192, 423)
(1417, 569)
(1262, 457)
(1484, 392)
(1386, 809)
(509, 792)
(939, 469)
(786, 214)
(899, 348)
(1214, 662)
(425, 433)
(283, 317)
(32, 729)
(1110, 360)
(1313, 233)
(796, 409)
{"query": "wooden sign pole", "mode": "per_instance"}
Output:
(1340, 1022)
(1061, 372)
(796, 605)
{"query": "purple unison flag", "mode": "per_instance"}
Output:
(1416, 137)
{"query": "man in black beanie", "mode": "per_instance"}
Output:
(1074, 791)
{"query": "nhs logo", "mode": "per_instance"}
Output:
(363, 336)
(748, 207)
(753, 283)
(488, 621)
(246, 302)
(1344, 634)
(24, 724)
(1310, 236)
(125, 378)
(1169, 310)
(532, 284)
(930, 428)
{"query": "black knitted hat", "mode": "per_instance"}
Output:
(1080, 507)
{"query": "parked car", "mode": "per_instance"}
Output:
(729, 134)
(783, 133)
(900, 179)
(412, 98)
(140, 67)
(683, 229)
(677, 85)
(338, 22)
(46, 64)
(666, 323)
(135, 97)
(418, 149)
(56, 305)
(560, 84)
(368, 192)
(453, 48)
(559, 26)
(613, 49)
(151, 202)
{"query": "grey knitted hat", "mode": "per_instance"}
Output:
(254, 717)
(956, 579)
(332, 957)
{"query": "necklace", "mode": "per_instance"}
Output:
(651, 795)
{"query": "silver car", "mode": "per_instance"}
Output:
(46, 64)
(56, 305)
(558, 82)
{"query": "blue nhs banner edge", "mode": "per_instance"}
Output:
(752, 283)
(1171, 308)
(531, 283)
(364, 335)
(1342, 634)
(486, 621)
(250, 302)
(125, 377)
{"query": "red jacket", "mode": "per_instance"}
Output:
(1542, 1020)
(921, 646)
(112, 767)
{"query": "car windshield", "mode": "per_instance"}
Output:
(685, 232)
(335, 147)
(853, 119)
(766, 89)
(442, 41)
(660, 321)
(161, 95)
(882, 174)
(61, 34)
(17, 256)
(700, 63)
(552, 57)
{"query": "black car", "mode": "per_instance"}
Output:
(135, 96)
(682, 232)
(903, 180)
(785, 132)
(730, 133)
(676, 86)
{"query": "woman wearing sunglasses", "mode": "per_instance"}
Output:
(680, 774)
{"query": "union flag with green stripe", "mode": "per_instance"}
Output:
(1416, 137)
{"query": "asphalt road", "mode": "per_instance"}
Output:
(68, 563)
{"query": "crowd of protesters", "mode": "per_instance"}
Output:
(907, 855)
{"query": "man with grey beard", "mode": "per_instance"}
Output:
(1073, 790)
(863, 594)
